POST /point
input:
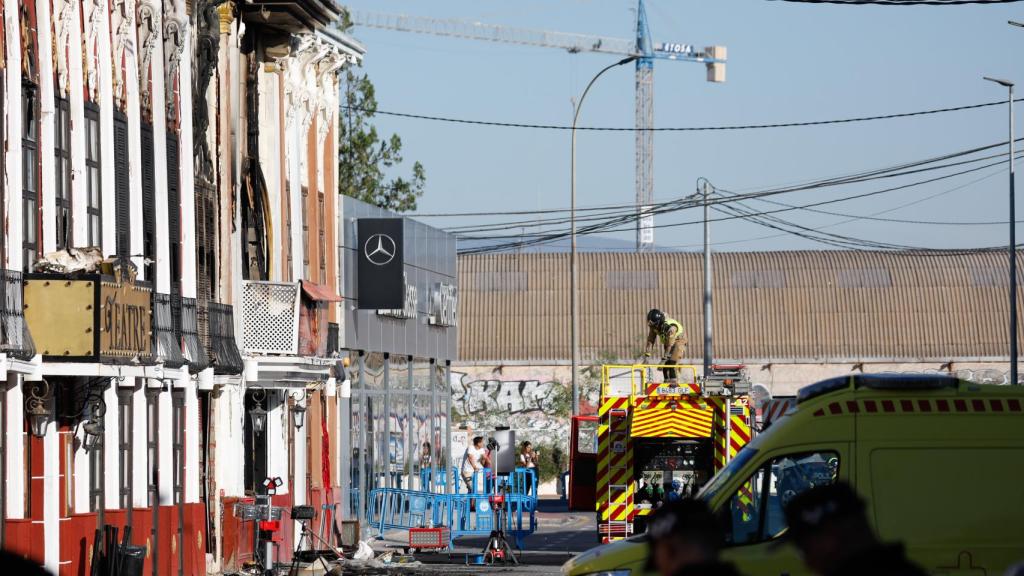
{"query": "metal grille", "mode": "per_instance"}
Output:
(15, 339)
(165, 342)
(225, 356)
(270, 314)
(195, 352)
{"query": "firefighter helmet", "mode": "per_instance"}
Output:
(655, 317)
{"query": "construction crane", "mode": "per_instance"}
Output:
(646, 51)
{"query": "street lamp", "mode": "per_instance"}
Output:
(1013, 235)
(37, 408)
(573, 297)
(299, 411)
(257, 413)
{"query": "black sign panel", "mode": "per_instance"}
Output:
(381, 285)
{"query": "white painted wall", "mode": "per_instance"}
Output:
(76, 79)
(14, 438)
(277, 440)
(229, 437)
(112, 425)
(165, 448)
(46, 143)
(140, 452)
(192, 445)
(51, 497)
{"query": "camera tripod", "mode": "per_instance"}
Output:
(498, 548)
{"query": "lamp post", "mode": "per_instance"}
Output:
(257, 413)
(573, 297)
(1013, 234)
(299, 410)
(37, 408)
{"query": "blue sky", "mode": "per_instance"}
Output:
(787, 62)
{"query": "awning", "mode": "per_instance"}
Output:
(319, 293)
(671, 420)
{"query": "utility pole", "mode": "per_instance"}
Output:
(705, 190)
(1013, 236)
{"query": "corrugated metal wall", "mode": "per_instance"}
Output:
(769, 306)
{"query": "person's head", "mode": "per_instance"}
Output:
(426, 446)
(655, 318)
(827, 524)
(478, 441)
(682, 533)
(526, 446)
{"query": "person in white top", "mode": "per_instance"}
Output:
(527, 455)
(472, 461)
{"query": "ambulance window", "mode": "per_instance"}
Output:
(755, 512)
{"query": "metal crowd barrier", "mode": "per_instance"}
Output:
(465, 514)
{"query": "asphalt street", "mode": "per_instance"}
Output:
(560, 535)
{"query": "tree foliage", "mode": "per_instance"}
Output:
(366, 160)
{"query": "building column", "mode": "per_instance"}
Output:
(47, 161)
(111, 448)
(192, 444)
(51, 494)
(14, 438)
(76, 97)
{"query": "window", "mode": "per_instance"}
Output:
(148, 203)
(322, 232)
(62, 171)
(29, 176)
(122, 209)
(305, 232)
(755, 512)
(174, 211)
(93, 185)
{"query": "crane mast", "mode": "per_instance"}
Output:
(713, 57)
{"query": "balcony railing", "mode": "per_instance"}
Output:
(166, 340)
(195, 351)
(286, 318)
(225, 355)
(15, 338)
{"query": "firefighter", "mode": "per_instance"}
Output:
(673, 340)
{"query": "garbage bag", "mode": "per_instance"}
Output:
(364, 551)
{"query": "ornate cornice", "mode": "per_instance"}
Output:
(124, 45)
(174, 44)
(148, 27)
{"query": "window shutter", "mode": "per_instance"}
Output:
(122, 211)
(174, 211)
(148, 203)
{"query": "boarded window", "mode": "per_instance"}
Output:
(122, 209)
(864, 278)
(631, 280)
(149, 202)
(758, 279)
(174, 212)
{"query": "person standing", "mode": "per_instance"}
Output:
(472, 461)
(829, 526)
(673, 341)
(527, 456)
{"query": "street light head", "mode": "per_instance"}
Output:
(627, 60)
(999, 81)
(1015, 23)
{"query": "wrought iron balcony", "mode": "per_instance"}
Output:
(285, 318)
(225, 355)
(166, 338)
(195, 351)
(15, 338)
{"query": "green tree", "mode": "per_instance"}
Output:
(366, 160)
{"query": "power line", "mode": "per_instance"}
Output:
(493, 123)
(900, 2)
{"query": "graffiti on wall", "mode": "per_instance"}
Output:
(533, 403)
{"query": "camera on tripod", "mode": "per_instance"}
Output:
(493, 444)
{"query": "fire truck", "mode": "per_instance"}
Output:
(659, 441)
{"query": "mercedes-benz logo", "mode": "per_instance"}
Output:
(379, 249)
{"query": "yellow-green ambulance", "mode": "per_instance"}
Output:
(939, 461)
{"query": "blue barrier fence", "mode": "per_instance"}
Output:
(465, 514)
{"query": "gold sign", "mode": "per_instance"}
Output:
(91, 318)
(125, 320)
